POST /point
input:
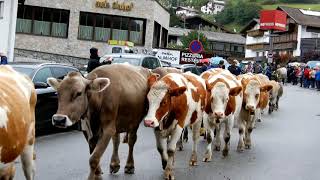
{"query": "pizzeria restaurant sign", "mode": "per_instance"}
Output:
(123, 6)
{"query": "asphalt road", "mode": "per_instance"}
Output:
(286, 145)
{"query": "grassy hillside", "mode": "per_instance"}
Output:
(314, 7)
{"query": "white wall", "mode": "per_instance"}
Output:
(256, 40)
(8, 28)
(297, 52)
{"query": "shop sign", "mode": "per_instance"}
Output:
(273, 20)
(169, 55)
(121, 43)
(187, 58)
(123, 6)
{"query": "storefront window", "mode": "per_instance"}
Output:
(136, 31)
(99, 27)
(42, 21)
(120, 28)
(156, 35)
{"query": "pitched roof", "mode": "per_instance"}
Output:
(249, 26)
(301, 18)
(212, 36)
(216, 25)
(187, 8)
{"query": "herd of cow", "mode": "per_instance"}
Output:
(114, 99)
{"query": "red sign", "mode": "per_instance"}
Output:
(196, 46)
(273, 20)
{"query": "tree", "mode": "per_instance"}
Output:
(193, 35)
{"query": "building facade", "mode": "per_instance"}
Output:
(8, 13)
(186, 11)
(66, 30)
(213, 7)
(300, 37)
(221, 44)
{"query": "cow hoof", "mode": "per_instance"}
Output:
(207, 158)
(98, 171)
(181, 148)
(164, 164)
(114, 169)
(185, 140)
(129, 170)
(193, 163)
(240, 149)
(168, 174)
(225, 153)
(248, 146)
(217, 148)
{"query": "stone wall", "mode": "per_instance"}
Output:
(33, 56)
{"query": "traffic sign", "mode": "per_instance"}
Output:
(195, 46)
(270, 55)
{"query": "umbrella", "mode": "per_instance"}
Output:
(217, 59)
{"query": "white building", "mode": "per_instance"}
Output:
(213, 7)
(186, 11)
(8, 16)
(301, 37)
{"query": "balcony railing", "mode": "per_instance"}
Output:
(255, 33)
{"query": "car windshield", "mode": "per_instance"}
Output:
(132, 61)
(23, 70)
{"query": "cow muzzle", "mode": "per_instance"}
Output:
(149, 123)
(219, 115)
(250, 108)
(61, 121)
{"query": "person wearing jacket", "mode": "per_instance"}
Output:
(313, 77)
(306, 75)
(234, 69)
(317, 78)
(94, 60)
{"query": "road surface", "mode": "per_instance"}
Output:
(286, 145)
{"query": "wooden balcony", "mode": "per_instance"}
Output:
(260, 46)
(255, 33)
(286, 45)
(285, 38)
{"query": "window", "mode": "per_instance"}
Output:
(218, 46)
(1, 9)
(42, 21)
(42, 75)
(100, 27)
(164, 38)
(156, 35)
(150, 63)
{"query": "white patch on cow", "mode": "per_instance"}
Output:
(252, 89)
(220, 95)
(3, 117)
(155, 96)
(177, 78)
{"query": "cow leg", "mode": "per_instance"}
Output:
(162, 148)
(217, 140)
(180, 142)
(258, 114)
(277, 104)
(171, 151)
(100, 148)
(185, 135)
(242, 129)
(195, 137)
(129, 168)
(115, 161)
(208, 154)
(28, 164)
(227, 135)
(249, 129)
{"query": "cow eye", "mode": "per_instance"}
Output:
(257, 96)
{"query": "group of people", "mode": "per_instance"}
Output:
(308, 77)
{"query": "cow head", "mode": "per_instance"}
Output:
(221, 98)
(252, 95)
(160, 100)
(73, 93)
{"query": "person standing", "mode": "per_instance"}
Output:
(94, 60)
(4, 59)
(317, 78)
(306, 74)
(234, 69)
(313, 77)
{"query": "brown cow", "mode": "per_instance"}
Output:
(17, 123)
(162, 71)
(112, 98)
(175, 102)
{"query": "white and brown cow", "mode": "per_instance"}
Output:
(275, 94)
(175, 102)
(224, 101)
(17, 123)
(264, 97)
(112, 100)
(254, 94)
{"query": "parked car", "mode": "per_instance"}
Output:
(146, 61)
(187, 67)
(47, 100)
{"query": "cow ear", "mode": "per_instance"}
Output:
(235, 91)
(99, 84)
(92, 76)
(266, 88)
(177, 91)
(153, 78)
(54, 83)
(208, 86)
